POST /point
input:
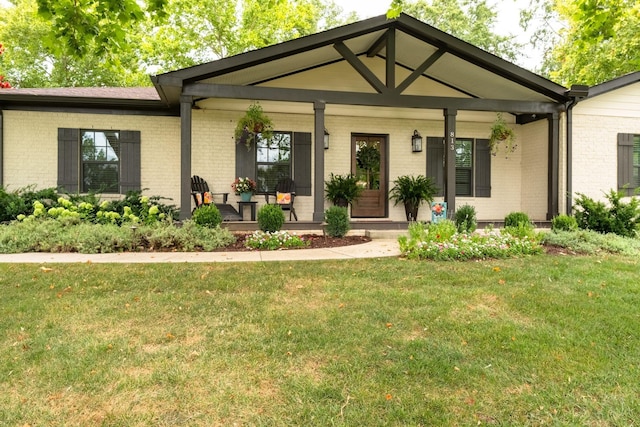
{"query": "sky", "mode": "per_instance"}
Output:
(507, 19)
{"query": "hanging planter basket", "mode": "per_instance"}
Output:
(501, 133)
(254, 122)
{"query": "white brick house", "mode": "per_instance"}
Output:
(371, 82)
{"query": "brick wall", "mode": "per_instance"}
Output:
(31, 148)
(31, 152)
(596, 124)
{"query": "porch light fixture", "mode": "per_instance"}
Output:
(326, 139)
(416, 142)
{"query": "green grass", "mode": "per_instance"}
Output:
(544, 340)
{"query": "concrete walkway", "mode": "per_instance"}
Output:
(374, 249)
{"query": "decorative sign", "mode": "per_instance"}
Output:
(438, 211)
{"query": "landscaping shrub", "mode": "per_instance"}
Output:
(564, 223)
(270, 218)
(272, 240)
(440, 241)
(619, 217)
(142, 207)
(592, 242)
(207, 216)
(20, 202)
(465, 219)
(72, 235)
(514, 219)
(337, 219)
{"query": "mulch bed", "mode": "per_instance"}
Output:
(315, 241)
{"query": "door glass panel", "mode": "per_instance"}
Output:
(368, 163)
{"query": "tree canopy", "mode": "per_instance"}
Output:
(95, 44)
(600, 41)
(470, 20)
(121, 42)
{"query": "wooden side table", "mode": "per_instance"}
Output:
(252, 205)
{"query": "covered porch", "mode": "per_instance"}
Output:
(382, 78)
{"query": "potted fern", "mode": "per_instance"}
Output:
(412, 191)
(501, 133)
(342, 190)
(254, 122)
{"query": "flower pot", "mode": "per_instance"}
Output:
(343, 203)
(411, 211)
(246, 197)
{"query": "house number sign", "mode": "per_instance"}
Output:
(452, 141)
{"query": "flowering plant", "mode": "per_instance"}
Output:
(244, 185)
(3, 83)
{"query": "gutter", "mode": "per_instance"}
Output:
(577, 93)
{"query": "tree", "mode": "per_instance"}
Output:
(599, 42)
(81, 26)
(4, 84)
(191, 32)
(195, 32)
(27, 63)
(469, 20)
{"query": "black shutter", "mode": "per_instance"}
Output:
(246, 160)
(130, 161)
(68, 159)
(625, 163)
(302, 163)
(483, 168)
(435, 162)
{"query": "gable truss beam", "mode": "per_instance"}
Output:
(420, 70)
(391, 58)
(362, 69)
(209, 90)
(378, 45)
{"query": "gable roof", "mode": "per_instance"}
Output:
(614, 84)
(423, 50)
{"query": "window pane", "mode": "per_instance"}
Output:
(464, 167)
(273, 160)
(100, 161)
(100, 177)
(278, 149)
(464, 153)
(368, 163)
(463, 182)
(270, 174)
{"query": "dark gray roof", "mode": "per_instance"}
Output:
(139, 93)
(140, 99)
(461, 66)
(614, 84)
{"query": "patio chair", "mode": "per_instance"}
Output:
(203, 196)
(285, 195)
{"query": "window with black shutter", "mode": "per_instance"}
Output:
(100, 161)
(473, 166)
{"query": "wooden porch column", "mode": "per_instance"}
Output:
(185, 156)
(450, 161)
(553, 173)
(318, 150)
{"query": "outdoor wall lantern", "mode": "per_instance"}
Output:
(416, 142)
(326, 139)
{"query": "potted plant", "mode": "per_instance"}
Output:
(501, 133)
(413, 191)
(254, 122)
(244, 187)
(342, 190)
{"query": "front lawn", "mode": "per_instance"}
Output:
(382, 342)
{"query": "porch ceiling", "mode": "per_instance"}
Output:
(439, 57)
